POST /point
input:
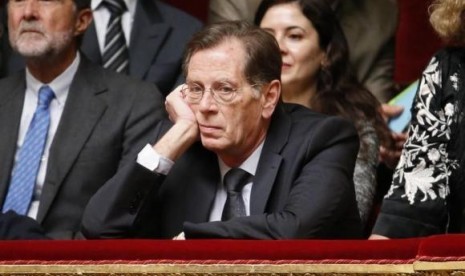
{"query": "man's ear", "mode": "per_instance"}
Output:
(271, 96)
(84, 18)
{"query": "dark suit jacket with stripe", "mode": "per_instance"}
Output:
(159, 36)
(303, 188)
(105, 118)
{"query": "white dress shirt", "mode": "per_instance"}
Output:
(102, 16)
(250, 166)
(151, 160)
(60, 87)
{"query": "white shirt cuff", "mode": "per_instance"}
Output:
(153, 161)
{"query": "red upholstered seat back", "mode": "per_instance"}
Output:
(416, 40)
(197, 8)
(339, 251)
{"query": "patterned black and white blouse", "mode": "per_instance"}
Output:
(420, 199)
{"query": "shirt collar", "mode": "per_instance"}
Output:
(60, 85)
(249, 165)
(130, 4)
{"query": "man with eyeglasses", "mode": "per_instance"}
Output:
(237, 162)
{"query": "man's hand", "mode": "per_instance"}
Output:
(391, 157)
(377, 237)
(390, 111)
(180, 237)
(185, 130)
(177, 107)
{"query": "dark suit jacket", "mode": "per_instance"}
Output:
(158, 38)
(303, 188)
(18, 227)
(105, 117)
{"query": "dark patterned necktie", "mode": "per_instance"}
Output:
(234, 180)
(115, 53)
(25, 172)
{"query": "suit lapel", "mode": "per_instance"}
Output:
(82, 111)
(147, 36)
(270, 161)
(11, 106)
(201, 187)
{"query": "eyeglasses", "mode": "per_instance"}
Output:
(223, 94)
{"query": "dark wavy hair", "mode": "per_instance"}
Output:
(338, 91)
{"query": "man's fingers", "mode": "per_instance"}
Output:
(390, 111)
(390, 157)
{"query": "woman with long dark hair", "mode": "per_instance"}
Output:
(316, 74)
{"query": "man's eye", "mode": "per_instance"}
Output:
(195, 89)
(225, 90)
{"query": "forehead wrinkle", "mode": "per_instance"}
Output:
(224, 62)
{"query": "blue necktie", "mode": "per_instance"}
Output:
(27, 166)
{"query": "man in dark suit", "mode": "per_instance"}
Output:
(261, 170)
(158, 35)
(95, 117)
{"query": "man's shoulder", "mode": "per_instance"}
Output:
(298, 132)
(16, 78)
(114, 81)
(175, 16)
(302, 115)
(116, 87)
(304, 120)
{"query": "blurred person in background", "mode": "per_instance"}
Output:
(369, 27)
(67, 124)
(427, 194)
(316, 74)
(141, 38)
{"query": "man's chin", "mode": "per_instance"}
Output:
(212, 144)
(31, 50)
(36, 55)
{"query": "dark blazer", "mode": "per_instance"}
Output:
(18, 227)
(303, 188)
(158, 38)
(106, 116)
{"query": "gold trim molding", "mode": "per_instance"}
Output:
(209, 269)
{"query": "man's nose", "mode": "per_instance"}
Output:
(30, 8)
(207, 102)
